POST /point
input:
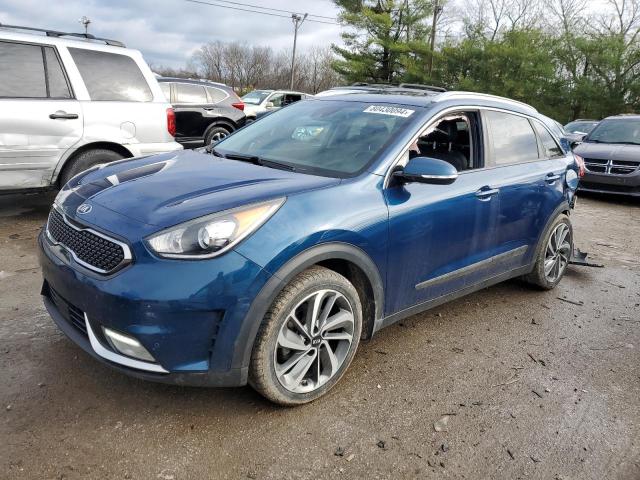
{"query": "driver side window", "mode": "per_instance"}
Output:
(453, 138)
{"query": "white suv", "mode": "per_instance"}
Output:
(68, 104)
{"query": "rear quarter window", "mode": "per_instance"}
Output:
(215, 95)
(551, 148)
(110, 76)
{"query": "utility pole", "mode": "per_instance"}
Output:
(297, 21)
(436, 10)
(85, 21)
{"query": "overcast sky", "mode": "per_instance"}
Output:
(168, 31)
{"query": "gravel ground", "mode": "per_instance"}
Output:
(519, 383)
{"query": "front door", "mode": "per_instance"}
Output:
(442, 237)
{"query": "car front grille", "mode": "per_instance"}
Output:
(69, 312)
(615, 167)
(90, 249)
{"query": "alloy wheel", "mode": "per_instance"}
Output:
(558, 253)
(216, 137)
(314, 341)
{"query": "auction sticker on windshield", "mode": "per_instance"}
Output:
(386, 110)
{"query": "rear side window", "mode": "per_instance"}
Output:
(215, 95)
(187, 93)
(22, 71)
(551, 148)
(512, 138)
(58, 86)
(110, 76)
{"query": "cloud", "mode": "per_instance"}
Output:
(169, 31)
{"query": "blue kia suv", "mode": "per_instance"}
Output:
(267, 260)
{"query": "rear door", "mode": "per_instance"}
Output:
(530, 176)
(118, 103)
(39, 117)
(190, 103)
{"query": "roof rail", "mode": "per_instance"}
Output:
(57, 34)
(448, 95)
(419, 86)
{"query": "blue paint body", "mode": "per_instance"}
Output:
(196, 316)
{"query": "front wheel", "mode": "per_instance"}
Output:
(307, 339)
(553, 254)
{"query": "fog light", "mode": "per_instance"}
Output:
(127, 345)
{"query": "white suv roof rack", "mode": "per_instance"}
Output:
(57, 34)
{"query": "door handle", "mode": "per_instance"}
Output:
(63, 115)
(552, 177)
(485, 193)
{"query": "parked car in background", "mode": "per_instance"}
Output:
(269, 260)
(576, 130)
(611, 154)
(71, 101)
(259, 102)
(205, 111)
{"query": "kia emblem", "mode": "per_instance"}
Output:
(84, 209)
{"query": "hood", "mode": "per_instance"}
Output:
(608, 151)
(164, 190)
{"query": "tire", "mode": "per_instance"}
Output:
(310, 364)
(87, 160)
(549, 255)
(215, 132)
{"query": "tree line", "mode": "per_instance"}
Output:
(568, 58)
(246, 67)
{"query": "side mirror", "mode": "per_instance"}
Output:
(269, 105)
(427, 170)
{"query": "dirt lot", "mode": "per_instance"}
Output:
(529, 386)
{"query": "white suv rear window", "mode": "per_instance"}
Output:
(109, 76)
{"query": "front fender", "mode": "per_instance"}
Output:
(307, 258)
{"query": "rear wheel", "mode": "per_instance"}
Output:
(216, 134)
(307, 339)
(553, 255)
(86, 160)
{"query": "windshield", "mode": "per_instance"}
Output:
(622, 130)
(255, 98)
(580, 127)
(331, 138)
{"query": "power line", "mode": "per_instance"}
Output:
(257, 11)
(274, 9)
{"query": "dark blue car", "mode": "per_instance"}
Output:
(268, 260)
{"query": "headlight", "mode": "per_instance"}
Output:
(206, 237)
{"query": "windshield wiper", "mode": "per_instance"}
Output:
(627, 143)
(263, 162)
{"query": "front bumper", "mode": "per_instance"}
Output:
(188, 315)
(609, 183)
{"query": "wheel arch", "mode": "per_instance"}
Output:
(345, 259)
(103, 145)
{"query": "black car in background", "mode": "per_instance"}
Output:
(575, 131)
(611, 154)
(205, 111)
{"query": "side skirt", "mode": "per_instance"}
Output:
(421, 307)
